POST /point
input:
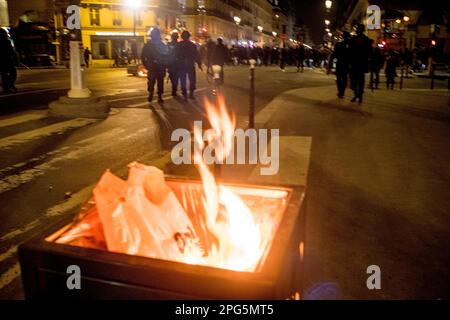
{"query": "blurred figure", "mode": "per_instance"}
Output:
(8, 62)
(87, 55)
(392, 64)
(300, 57)
(283, 58)
(155, 56)
(187, 56)
(342, 54)
(376, 63)
(219, 57)
(360, 49)
(210, 45)
(173, 68)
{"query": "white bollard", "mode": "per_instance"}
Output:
(78, 87)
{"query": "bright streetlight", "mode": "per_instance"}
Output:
(274, 33)
(328, 4)
(134, 3)
(260, 29)
(237, 19)
(327, 22)
(406, 18)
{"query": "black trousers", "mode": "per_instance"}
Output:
(341, 80)
(374, 78)
(156, 75)
(187, 72)
(174, 76)
(9, 76)
(358, 79)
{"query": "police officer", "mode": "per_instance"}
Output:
(342, 54)
(155, 57)
(173, 64)
(360, 50)
(220, 57)
(187, 56)
(8, 62)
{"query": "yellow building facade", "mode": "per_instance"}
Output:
(114, 27)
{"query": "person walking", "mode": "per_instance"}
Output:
(87, 54)
(392, 64)
(220, 57)
(376, 64)
(360, 49)
(8, 62)
(155, 56)
(300, 57)
(174, 72)
(342, 55)
(187, 56)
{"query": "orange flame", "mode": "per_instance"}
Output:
(240, 237)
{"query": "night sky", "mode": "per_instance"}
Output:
(312, 14)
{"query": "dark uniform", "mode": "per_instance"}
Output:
(219, 57)
(300, 57)
(8, 61)
(187, 56)
(376, 63)
(342, 54)
(173, 64)
(360, 50)
(155, 56)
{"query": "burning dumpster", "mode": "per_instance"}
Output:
(160, 237)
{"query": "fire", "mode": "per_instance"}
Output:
(239, 237)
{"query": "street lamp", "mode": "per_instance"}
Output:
(406, 18)
(327, 22)
(237, 20)
(134, 4)
(328, 4)
(274, 33)
(260, 29)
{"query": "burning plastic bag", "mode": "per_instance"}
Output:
(143, 217)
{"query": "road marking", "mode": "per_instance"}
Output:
(10, 275)
(25, 176)
(22, 118)
(43, 132)
(8, 254)
(17, 232)
(31, 91)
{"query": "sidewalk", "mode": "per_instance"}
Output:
(431, 104)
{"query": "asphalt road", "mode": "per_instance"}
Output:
(48, 166)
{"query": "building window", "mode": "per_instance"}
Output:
(99, 49)
(94, 15)
(117, 18)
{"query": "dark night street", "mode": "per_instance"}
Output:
(378, 177)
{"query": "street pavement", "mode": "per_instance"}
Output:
(378, 174)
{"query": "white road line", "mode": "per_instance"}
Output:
(10, 275)
(8, 254)
(13, 181)
(45, 131)
(17, 232)
(22, 118)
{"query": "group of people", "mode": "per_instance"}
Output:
(179, 59)
(8, 62)
(355, 56)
